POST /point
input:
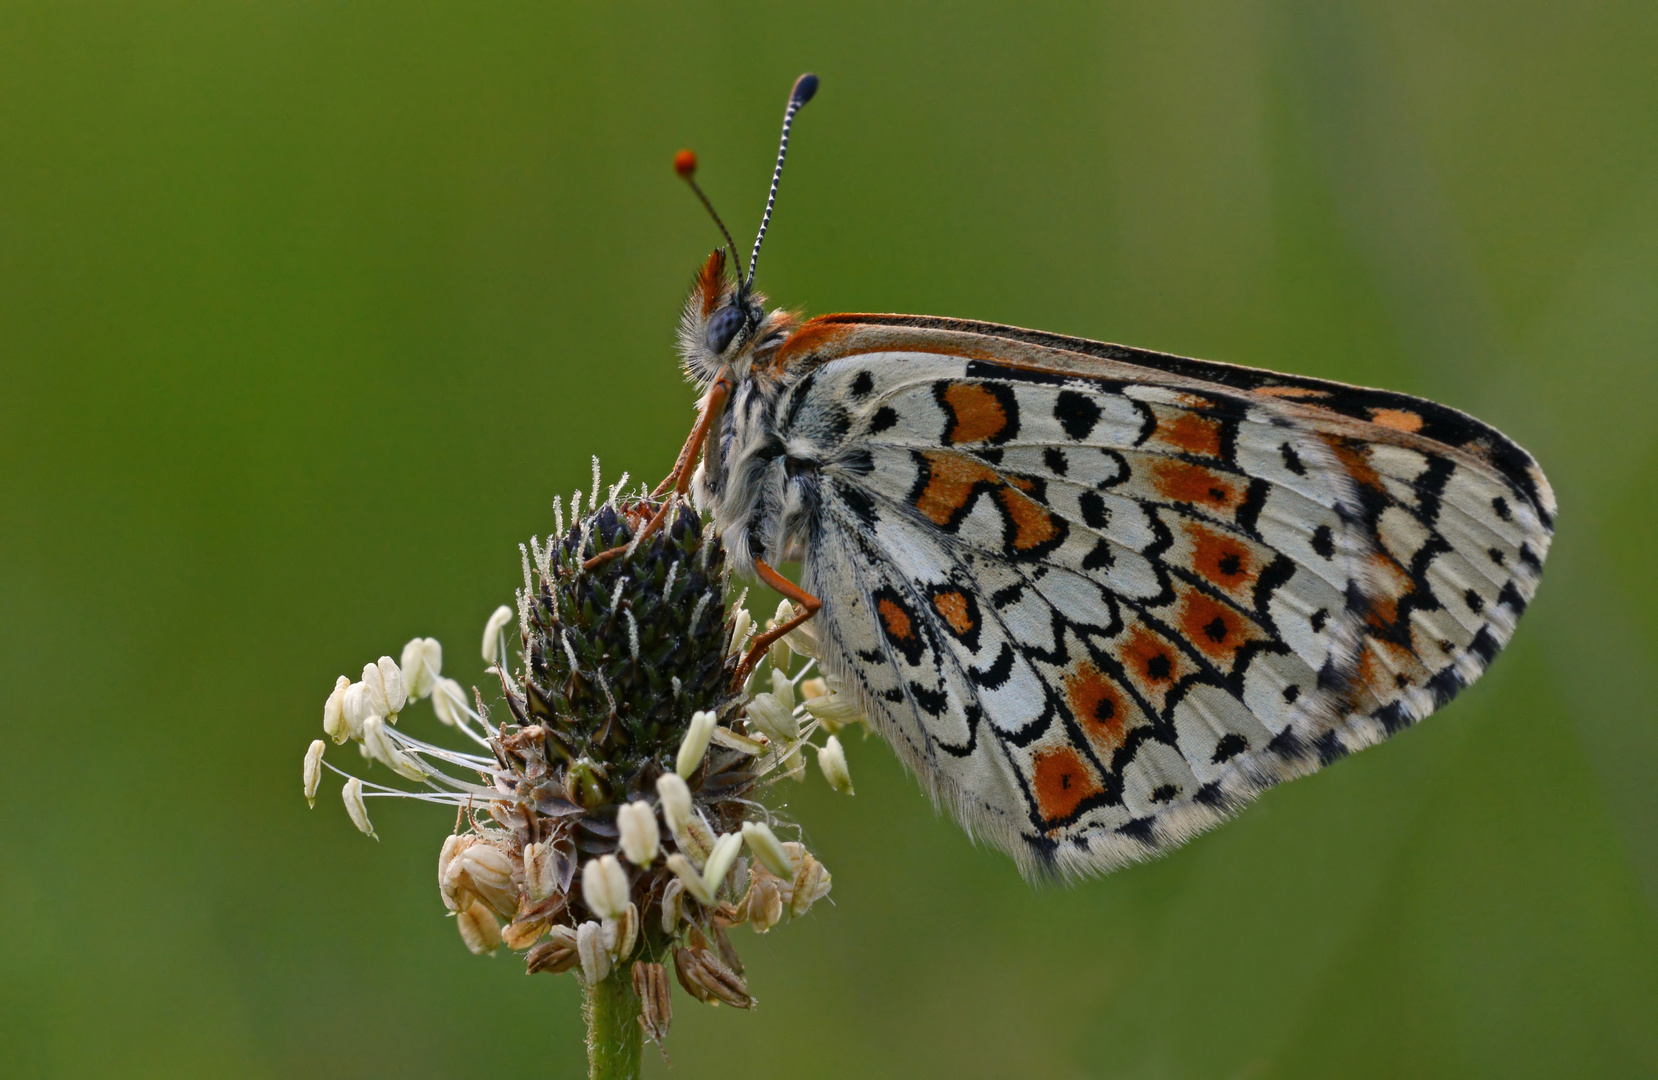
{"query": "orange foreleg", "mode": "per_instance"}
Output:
(794, 592)
(679, 480)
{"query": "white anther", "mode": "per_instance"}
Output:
(478, 928)
(449, 702)
(720, 860)
(313, 770)
(422, 663)
(492, 632)
(782, 689)
(768, 849)
(771, 718)
(834, 710)
(740, 627)
(831, 758)
(676, 802)
(594, 951)
(623, 932)
(639, 834)
(695, 744)
(604, 886)
(333, 712)
(355, 707)
(383, 748)
(352, 795)
(688, 876)
(673, 905)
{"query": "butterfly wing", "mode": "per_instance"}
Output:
(1097, 597)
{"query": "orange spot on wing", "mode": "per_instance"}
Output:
(1149, 656)
(1184, 482)
(710, 287)
(1389, 584)
(953, 478)
(1097, 704)
(1033, 526)
(896, 619)
(952, 606)
(1352, 459)
(1212, 626)
(976, 413)
(950, 482)
(1219, 558)
(1397, 419)
(1191, 433)
(1061, 781)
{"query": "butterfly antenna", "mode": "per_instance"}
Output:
(685, 164)
(804, 88)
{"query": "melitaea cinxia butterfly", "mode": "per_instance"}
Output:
(1098, 597)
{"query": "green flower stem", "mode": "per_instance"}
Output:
(614, 1037)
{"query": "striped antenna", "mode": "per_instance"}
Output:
(804, 88)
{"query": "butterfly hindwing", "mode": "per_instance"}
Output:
(1097, 603)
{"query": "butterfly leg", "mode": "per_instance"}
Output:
(794, 592)
(679, 480)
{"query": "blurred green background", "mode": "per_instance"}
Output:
(307, 310)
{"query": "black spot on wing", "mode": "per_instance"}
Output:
(1139, 829)
(1101, 557)
(932, 702)
(859, 502)
(885, 417)
(1077, 414)
(1094, 511)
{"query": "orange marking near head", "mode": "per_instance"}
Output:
(952, 605)
(1191, 433)
(1061, 780)
(814, 335)
(976, 413)
(1097, 704)
(1212, 626)
(1219, 558)
(1184, 482)
(1397, 419)
(710, 287)
(897, 620)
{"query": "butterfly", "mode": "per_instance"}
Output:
(1098, 597)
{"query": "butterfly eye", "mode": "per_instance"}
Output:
(724, 326)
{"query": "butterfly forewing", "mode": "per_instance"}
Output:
(1096, 598)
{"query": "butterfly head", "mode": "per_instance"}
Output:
(725, 320)
(724, 325)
